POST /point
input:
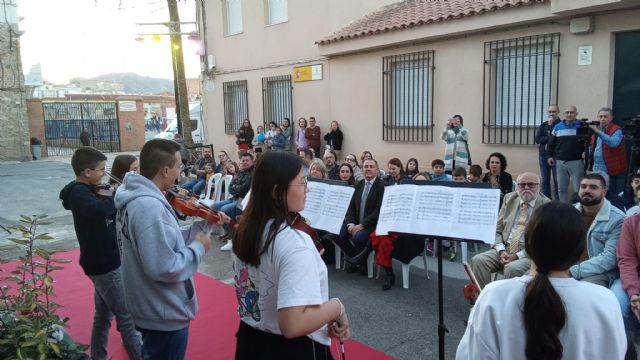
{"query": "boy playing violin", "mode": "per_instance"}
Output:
(94, 222)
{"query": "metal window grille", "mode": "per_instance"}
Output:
(407, 97)
(236, 105)
(276, 99)
(520, 82)
(64, 121)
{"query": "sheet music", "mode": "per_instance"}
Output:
(326, 205)
(457, 212)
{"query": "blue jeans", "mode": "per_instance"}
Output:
(630, 320)
(229, 207)
(352, 245)
(109, 301)
(164, 345)
(546, 172)
(194, 185)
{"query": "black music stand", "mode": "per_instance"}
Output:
(442, 328)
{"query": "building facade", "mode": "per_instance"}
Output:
(392, 73)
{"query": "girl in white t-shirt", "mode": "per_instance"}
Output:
(547, 314)
(280, 279)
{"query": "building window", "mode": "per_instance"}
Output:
(233, 16)
(236, 106)
(407, 105)
(520, 82)
(276, 98)
(277, 11)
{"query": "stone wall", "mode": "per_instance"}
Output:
(14, 133)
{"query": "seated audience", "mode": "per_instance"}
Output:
(196, 185)
(437, 166)
(508, 252)
(352, 160)
(546, 314)
(597, 263)
(475, 173)
(317, 169)
(306, 155)
(459, 174)
(628, 196)
(365, 155)
(361, 218)
(396, 173)
(635, 209)
(223, 157)
(627, 288)
(497, 176)
(412, 168)
(330, 158)
(346, 174)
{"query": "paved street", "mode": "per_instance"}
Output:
(399, 322)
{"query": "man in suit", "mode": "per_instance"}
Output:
(362, 216)
(508, 252)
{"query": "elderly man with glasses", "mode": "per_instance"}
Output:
(508, 252)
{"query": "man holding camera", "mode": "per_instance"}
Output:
(608, 150)
(565, 151)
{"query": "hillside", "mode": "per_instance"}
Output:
(137, 84)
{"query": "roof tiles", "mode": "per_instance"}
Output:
(411, 13)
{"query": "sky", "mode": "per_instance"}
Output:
(86, 38)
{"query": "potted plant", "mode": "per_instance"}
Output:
(29, 325)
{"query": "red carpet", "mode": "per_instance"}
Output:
(211, 335)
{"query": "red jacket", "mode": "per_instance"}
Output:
(614, 158)
(313, 137)
(628, 254)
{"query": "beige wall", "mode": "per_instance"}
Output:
(351, 90)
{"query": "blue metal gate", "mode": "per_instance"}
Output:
(64, 122)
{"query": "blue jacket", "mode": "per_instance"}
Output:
(543, 135)
(602, 239)
(278, 141)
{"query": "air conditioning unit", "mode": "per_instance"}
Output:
(582, 25)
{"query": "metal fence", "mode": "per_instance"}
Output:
(236, 105)
(407, 97)
(520, 82)
(276, 99)
(65, 121)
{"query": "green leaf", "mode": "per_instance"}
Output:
(19, 227)
(18, 241)
(55, 347)
(52, 268)
(44, 222)
(25, 217)
(43, 237)
(61, 261)
(48, 280)
(12, 278)
(7, 247)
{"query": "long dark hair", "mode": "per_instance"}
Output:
(272, 174)
(554, 239)
(120, 167)
(415, 171)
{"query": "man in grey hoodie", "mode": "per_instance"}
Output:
(159, 258)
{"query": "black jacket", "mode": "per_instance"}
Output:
(334, 139)
(94, 222)
(241, 183)
(543, 135)
(371, 207)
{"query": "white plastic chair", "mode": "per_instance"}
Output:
(212, 185)
(405, 267)
(227, 187)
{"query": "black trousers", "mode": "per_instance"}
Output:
(255, 344)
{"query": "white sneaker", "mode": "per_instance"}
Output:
(227, 247)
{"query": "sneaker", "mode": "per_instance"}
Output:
(227, 247)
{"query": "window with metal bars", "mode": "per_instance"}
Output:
(276, 99)
(520, 82)
(236, 105)
(407, 97)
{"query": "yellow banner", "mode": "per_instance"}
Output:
(307, 73)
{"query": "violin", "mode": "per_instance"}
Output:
(296, 221)
(189, 206)
(106, 191)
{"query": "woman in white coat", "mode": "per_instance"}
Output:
(546, 314)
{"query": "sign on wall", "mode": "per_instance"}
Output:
(127, 106)
(307, 73)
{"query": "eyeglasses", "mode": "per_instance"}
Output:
(303, 183)
(527, 185)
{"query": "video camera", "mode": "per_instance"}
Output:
(631, 129)
(584, 132)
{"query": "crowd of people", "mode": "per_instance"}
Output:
(559, 253)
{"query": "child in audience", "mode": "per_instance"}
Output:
(437, 166)
(208, 169)
(94, 222)
(278, 140)
(459, 174)
(475, 173)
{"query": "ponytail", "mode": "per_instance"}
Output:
(544, 316)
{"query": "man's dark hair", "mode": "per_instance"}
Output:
(86, 157)
(437, 162)
(596, 176)
(475, 170)
(156, 154)
(247, 154)
(459, 171)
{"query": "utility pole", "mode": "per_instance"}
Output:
(180, 84)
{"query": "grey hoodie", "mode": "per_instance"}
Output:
(158, 258)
